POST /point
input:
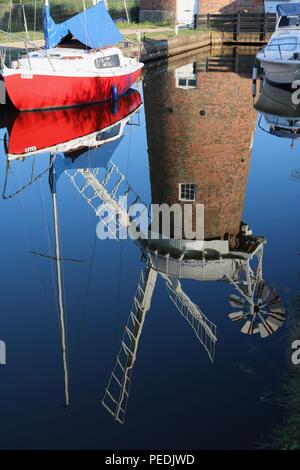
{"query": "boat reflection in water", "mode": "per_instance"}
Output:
(69, 130)
(280, 115)
(78, 139)
(83, 137)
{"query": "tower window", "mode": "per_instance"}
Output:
(187, 192)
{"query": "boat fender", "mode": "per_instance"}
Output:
(114, 93)
(114, 107)
(261, 84)
(254, 77)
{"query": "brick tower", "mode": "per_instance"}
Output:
(161, 10)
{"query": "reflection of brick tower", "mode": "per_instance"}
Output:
(200, 127)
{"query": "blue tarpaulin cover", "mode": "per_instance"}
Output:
(288, 9)
(93, 27)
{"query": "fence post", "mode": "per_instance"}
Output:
(265, 25)
(139, 41)
(238, 25)
(195, 21)
(208, 21)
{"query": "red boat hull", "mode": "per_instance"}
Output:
(53, 91)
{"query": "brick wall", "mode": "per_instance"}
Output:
(158, 4)
(157, 10)
(233, 6)
(212, 151)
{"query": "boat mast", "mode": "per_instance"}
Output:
(126, 10)
(46, 23)
(59, 281)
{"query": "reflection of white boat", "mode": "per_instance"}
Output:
(280, 59)
(280, 127)
(279, 116)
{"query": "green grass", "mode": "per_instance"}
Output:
(167, 34)
(144, 25)
(286, 436)
(185, 32)
(6, 38)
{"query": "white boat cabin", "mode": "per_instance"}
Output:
(285, 42)
(70, 61)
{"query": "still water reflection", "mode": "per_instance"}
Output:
(162, 333)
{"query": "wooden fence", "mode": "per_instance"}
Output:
(238, 23)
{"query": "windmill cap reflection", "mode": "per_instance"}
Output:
(69, 130)
(258, 307)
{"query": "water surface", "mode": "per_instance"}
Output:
(197, 125)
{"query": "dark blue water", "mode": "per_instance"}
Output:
(178, 398)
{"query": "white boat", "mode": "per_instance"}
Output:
(279, 116)
(280, 58)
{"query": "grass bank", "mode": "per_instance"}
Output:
(286, 436)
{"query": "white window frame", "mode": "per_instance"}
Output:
(180, 198)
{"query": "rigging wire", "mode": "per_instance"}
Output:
(43, 255)
(22, 188)
(30, 244)
(9, 28)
